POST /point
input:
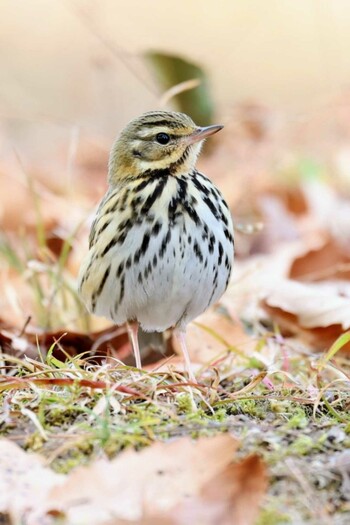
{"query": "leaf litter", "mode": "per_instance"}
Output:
(264, 436)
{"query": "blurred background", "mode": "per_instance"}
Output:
(74, 72)
(77, 67)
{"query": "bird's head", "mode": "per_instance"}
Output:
(156, 142)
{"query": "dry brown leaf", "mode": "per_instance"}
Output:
(166, 484)
(25, 482)
(233, 498)
(328, 261)
(253, 279)
(314, 305)
(150, 482)
(317, 338)
(292, 197)
(316, 312)
(207, 342)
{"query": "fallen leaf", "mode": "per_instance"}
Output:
(25, 482)
(212, 334)
(315, 306)
(233, 497)
(148, 482)
(316, 312)
(173, 483)
(167, 483)
(326, 261)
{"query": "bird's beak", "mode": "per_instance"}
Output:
(201, 134)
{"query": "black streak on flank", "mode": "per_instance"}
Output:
(110, 245)
(228, 235)
(125, 225)
(224, 219)
(213, 193)
(113, 206)
(145, 243)
(197, 251)
(205, 232)
(106, 249)
(211, 243)
(143, 248)
(120, 269)
(148, 270)
(122, 289)
(119, 238)
(102, 229)
(211, 207)
(215, 285)
(164, 244)
(221, 253)
(99, 290)
(215, 278)
(156, 228)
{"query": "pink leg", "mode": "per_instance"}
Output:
(181, 337)
(133, 329)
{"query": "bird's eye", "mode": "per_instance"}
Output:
(162, 138)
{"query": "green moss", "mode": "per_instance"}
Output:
(272, 517)
(185, 403)
(249, 407)
(220, 415)
(303, 445)
(298, 419)
(279, 406)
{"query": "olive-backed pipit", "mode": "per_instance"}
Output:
(161, 244)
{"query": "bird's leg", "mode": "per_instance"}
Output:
(181, 337)
(133, 329)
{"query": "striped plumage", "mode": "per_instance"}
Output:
(161, 245)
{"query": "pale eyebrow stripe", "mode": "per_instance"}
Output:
(148, 133)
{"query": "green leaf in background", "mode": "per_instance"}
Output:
(171, 70)
(310, 169)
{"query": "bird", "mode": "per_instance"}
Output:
(161, 245)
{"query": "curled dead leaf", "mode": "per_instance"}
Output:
(318, 314)
(327, 261)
